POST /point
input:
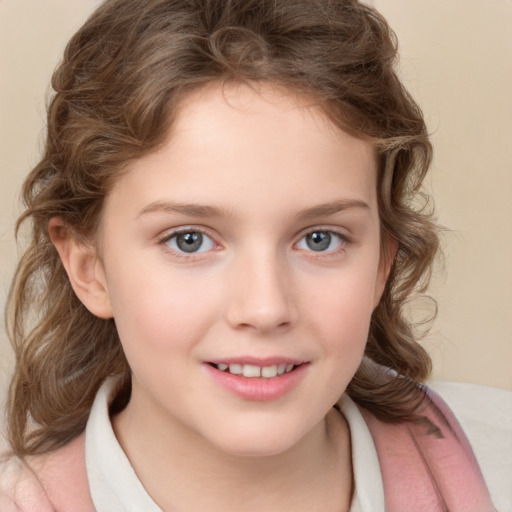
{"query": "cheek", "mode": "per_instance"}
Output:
(342, 311)
(347, 322)
(153, 311)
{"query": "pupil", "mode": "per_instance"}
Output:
(318, 241)
(189, 242)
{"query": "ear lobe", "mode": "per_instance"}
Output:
(83, 267)
(388, 253)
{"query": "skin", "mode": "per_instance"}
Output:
(266, 169)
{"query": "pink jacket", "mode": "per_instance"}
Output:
(426, 467)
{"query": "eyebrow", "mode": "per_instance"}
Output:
(199, 210)
(191, 209)
(332, 208)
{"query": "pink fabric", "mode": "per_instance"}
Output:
(428, 466)
(54, 482)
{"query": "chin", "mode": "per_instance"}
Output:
(257, 449)
(273, 440)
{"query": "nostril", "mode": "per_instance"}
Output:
(264, 327)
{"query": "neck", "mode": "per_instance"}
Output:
(183, 471)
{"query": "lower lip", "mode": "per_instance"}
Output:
(259, 389)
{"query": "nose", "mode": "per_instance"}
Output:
(261, 296)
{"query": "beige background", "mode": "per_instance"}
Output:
(456, 59)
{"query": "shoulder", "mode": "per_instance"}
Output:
(436, 458)
(485, 415)
(56, 481)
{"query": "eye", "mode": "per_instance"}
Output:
(189, 242)
(321, 241)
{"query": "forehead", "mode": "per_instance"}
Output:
(240, 146)
(215, 114)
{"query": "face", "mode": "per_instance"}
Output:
(242, 265)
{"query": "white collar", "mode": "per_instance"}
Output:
(368, 487)
(113, 483)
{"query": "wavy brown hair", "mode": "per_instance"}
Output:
(117, 91)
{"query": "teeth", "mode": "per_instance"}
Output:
(235, 368)
(269, 371)
(251, 371)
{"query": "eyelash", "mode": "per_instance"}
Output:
(183, 231)
(344, 241)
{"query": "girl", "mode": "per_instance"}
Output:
(225, 232)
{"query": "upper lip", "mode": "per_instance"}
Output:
(257, 361)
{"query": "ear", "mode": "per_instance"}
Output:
(83, 267)
(387, 257)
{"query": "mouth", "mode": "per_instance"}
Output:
(253, 371)
(259, 380)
